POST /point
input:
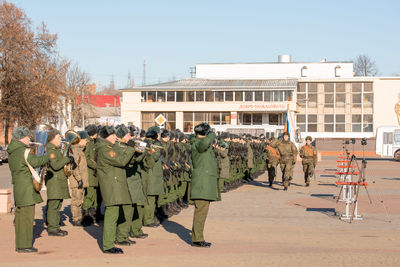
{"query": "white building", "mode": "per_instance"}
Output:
(324, 97)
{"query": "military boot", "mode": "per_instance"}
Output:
(86, 218)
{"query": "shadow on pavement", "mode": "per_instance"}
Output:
(331, 212)
(392, 179)
(95, 232)
(178, 229)
(264, 184)
(38, 229)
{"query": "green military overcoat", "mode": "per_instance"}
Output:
(24, 192)
(56, 181)
(224, 164)
(111, 172)
(205, 170)
(90, 154)
(155, 183)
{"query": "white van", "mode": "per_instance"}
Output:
(388, 141)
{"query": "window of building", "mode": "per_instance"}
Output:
(368, 98)
(219, 96)
(151, 96)
(209, 96)
(192, 119)
(229, 96)
(179, 96)
(328, 123)
(160, 96)
(289, 95)
(248, 95)
(246, 118)
(340, 123)
(199, 96)
(257, 118)
(356, 122)
(149, 117)
(239, 96)
(258, 96)
(340, 95)
(278, 95)
(368, 122)
(273, 119)
(215, 118)
(189, 96)
(268, 96)
(312, 123)
(171, 96)
(312, 95)
(144, 96)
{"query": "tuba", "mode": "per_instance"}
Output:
(71, 138)
(38, 147)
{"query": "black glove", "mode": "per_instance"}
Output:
(131, 143)
(72, 161)
(80, 184)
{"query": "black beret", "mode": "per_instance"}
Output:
(106, 131)
(91, 129)
(121, 131)
(181, 136)
(83, 134)
(164, 133)
(202, 129)
(20, 132)
(151, 134)
(154, 128)
(309, 138)
(224, 135)
(172, 134)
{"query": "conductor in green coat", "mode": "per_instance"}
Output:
(111, 170)
(56, 183)
(25, 195)
(204, 187)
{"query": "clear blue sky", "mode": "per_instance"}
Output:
(114, 37)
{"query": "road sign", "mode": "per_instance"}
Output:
(160, 120)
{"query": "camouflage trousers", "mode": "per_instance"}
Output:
(76, 203)
(287, 173)
(308, 169)
(271, 172)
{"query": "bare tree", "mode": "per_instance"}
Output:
(76, 83)
(365, 66)
(33, 74)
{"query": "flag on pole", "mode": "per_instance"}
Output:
(289, 125)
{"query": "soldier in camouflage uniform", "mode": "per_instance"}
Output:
(288, 156)
(308, 153)
(273, 159)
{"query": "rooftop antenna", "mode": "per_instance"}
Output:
(193, 73)
(144, 73)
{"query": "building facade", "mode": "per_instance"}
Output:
(324, 98)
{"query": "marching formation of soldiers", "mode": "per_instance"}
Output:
(141, 178)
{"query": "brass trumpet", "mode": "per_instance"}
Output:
(71, 138)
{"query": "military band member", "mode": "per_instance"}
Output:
(288, 156)
(56, 183)
(204, 186)
(154, 183)
(25, 196)
(91, 213)
(308, 153)
(111, 164)
(78, 180)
